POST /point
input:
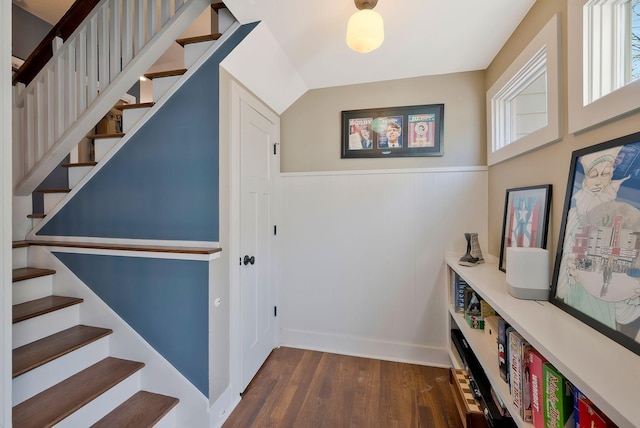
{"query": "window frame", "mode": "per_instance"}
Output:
(542, 51)
(616, 103)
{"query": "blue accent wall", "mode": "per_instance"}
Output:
(165, 301)
(163, 184)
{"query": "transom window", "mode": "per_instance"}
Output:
(611, 39)
(523, 104)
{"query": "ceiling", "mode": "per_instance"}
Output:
(422, 37)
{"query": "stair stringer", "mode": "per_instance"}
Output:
(158, 375)
(32, 234)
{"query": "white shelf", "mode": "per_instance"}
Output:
(606, 372)
(488, 358)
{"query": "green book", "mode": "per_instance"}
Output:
(557, 394)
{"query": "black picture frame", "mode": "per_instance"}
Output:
(526, 219)
(419, 131)
(596, 274)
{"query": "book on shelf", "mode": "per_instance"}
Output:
(535, 369)
(503, 351)
(591, 416)
(516, 382)
(526, 412)
(459, 285)
(577, 394)
(557, 394)
(472, 309)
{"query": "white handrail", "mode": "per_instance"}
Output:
(117, 42)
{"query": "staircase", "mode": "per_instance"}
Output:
(104, 146)
(65, 373)
(62, 372)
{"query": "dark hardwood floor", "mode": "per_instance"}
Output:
(301, 389)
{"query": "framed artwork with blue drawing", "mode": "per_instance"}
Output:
(526, 219)
(393, 132)
(596, 275)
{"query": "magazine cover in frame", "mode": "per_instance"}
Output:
(597, 271)
(393, 132)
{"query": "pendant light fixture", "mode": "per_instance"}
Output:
(365, 30)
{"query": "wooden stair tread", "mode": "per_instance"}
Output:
(36, 215)
(167, 73)
(78, 164)
(143, 409)
(44, 305)
(21, 274)
(53, 190)
(56, 403)
(102, 136)
(20, 244)
(132, 106)
(35, 354)
(198, 39)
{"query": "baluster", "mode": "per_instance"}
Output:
(92, 60)
(127, 32)
(29, 130)
(139, 28)
(70, 83)
(152, 18)
(50, 106)
(103, 48)
(40, 118)
(165, 11)
(114, 39)
(81, 77)
(58, 77)
(177, 5)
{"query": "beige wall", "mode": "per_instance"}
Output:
(310, 128)
(549, 165)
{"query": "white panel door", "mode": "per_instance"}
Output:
(257, 194)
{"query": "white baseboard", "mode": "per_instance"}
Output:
(222, 408)
(366, 348)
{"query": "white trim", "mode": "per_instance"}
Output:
(386, 171)
(5, 213)
(611, 106)
(366, 348)
(547, 39)
(222, 408)
(122, 141)
(124, 241)
(133, 253)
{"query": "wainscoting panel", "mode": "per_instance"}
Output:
(363, 258)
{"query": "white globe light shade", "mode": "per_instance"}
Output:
(365, 31)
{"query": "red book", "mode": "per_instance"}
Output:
(537, 405)
(591, 416)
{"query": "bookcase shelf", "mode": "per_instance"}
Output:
(606, 372)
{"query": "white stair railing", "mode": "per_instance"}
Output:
(117, 42)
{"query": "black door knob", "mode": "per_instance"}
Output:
(248, 260)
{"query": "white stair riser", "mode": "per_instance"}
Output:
(74, 155)
(34, 222)
(225, 20)
(102, 405)
(131, 116)
(54, 372)
(168, 421)
(32, 289)
(162, 84)
(77, 173)
(45, 325)
(193, 51)
(19, 257)
(51, 200)
(102, 146)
